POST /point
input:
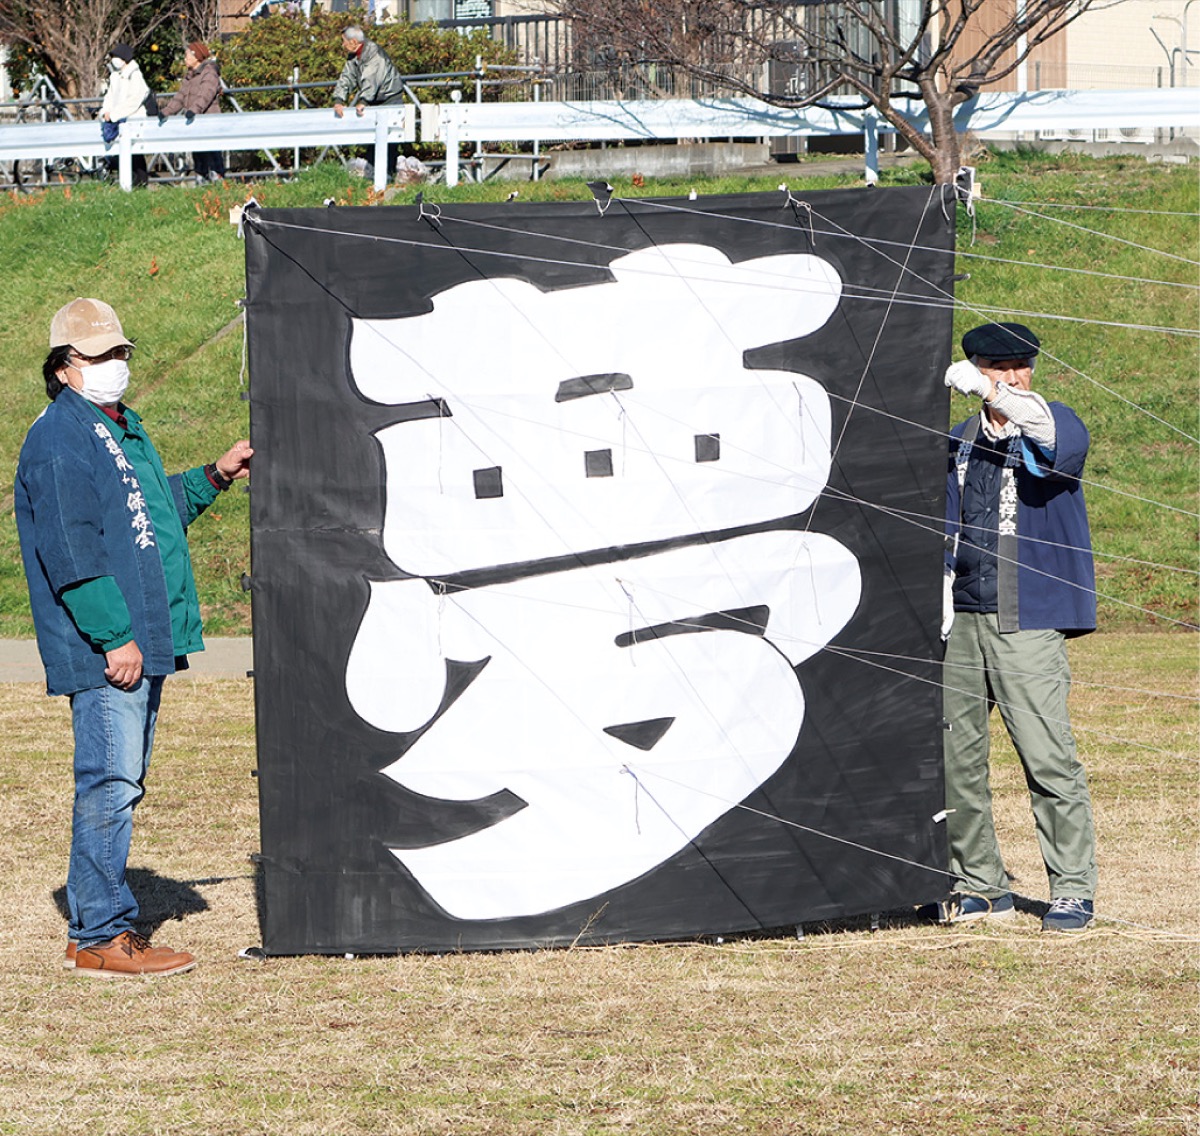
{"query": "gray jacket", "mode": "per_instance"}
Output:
(373, 76)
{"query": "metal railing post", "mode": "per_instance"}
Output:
(295, 106)
(381, 151)
(537, 98)
(124, 159)
(452, 148)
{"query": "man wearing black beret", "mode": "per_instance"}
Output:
(1019, 580)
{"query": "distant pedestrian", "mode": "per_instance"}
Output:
(125, 98)
(200, 93)
(371, 78)
(369, 75)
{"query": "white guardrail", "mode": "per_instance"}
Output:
(454, 124)
(253, 130)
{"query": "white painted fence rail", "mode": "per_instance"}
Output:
(661, 119)
(665, 119)
(255, 130)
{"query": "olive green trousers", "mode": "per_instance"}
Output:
(1025, 675)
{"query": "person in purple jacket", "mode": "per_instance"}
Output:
(1019, 581)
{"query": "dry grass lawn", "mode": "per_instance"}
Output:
(908, 1029)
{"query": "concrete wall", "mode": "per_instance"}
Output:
(1120, 40)
(700, 159)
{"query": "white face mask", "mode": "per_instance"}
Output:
(105, 383)
(116, 64)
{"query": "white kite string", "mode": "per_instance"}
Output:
(884, 242)
(1096, 233)
(1093, 208)
(627, 421)
(1096, 382)
(741, 805)
(936, 525)
(635, 772)
(947, 301)
(570, 550)
(829, 648)
(868, 407)
(935, 522)
(751, 628)
(851, 654)
(959, 304)
(1082, 480)
(840, 236)
(1189, 698)
(441, 247)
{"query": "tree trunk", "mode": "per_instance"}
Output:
(946, 153)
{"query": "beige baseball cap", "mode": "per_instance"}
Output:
(90, 326)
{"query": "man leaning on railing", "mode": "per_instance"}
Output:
(371, 77)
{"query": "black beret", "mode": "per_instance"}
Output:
(999, 341)
(122, 51)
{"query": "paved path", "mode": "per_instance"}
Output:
(224, 658)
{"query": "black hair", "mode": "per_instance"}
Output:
(55, 362)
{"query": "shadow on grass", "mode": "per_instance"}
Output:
(161, 899)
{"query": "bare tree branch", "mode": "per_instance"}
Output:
(870, 48)
(73, 37)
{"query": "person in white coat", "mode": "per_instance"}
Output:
(125, 98)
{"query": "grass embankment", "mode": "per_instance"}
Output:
(909, 1031)
(170, 264)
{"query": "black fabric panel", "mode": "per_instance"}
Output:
(864, 781)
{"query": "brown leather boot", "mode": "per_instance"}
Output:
(130, 955)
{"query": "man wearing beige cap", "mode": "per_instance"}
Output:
(102, 531)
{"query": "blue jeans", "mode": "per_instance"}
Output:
(114, 733)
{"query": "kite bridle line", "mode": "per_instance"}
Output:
(625, 418)
(868, 407)
(258, 222)
(979, 311)
(935, 522)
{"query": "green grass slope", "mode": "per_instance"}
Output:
(172, 266)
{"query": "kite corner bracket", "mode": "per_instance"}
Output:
(428, 210)
(966, 189)
(252, 954)
(244, 214)
(246, 582)
(791, 201)
(602, 194)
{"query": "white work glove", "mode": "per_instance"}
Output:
(968, 379)
(947, 605)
